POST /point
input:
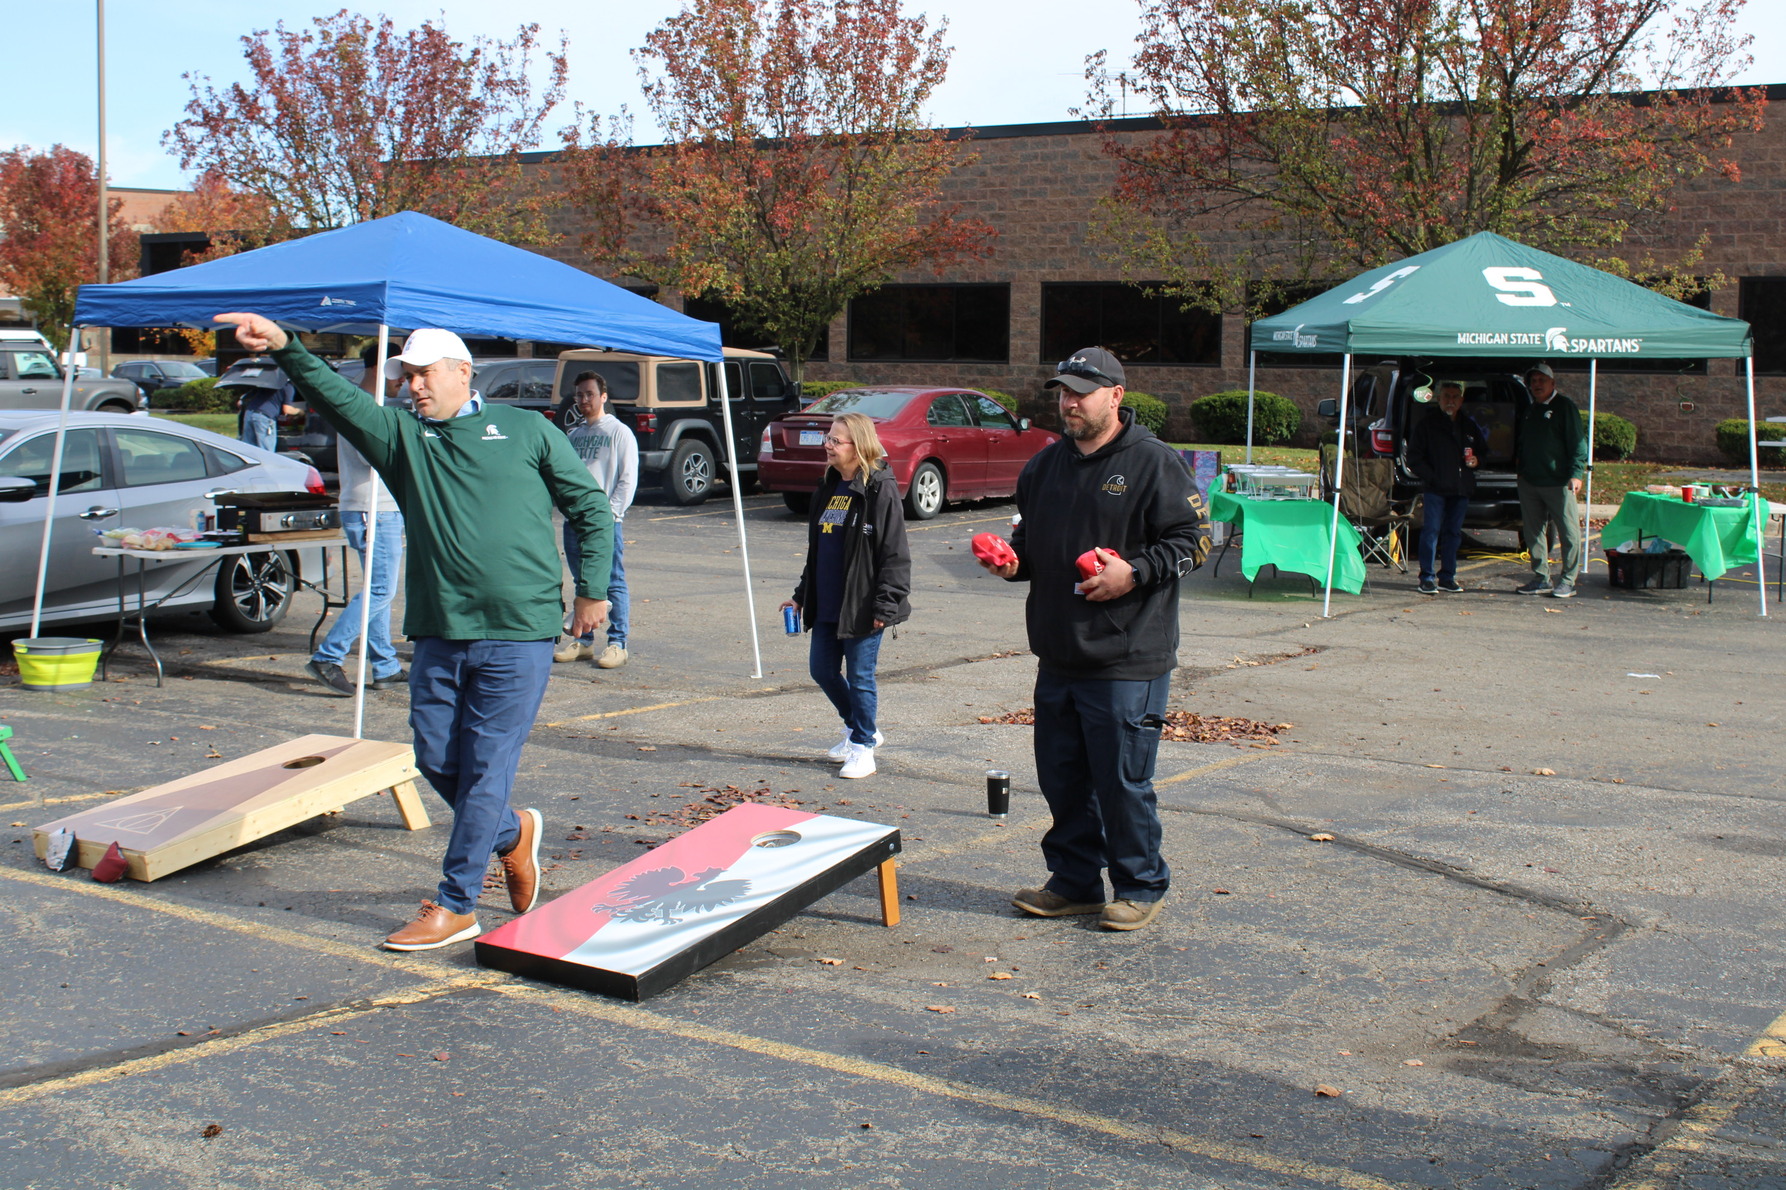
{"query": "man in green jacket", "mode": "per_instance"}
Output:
(477, 485)
(1552, 461)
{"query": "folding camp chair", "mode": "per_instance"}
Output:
(1367, 501)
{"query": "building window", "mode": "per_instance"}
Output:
(733, 332)
(1761, 302)
(932, 323)
(1136, 322)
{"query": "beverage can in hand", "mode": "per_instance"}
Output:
(790, 620)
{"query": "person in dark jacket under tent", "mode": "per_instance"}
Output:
(856, 582)
(1106, 644)
(1444, 451)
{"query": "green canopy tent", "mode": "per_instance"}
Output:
(1490, 296)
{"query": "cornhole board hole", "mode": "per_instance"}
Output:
(649, 923)
(175, 825)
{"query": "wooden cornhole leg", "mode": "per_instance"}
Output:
(889, 895)
(409, 805)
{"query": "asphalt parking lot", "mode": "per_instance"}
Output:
(1544, 947)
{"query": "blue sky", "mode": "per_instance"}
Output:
(1004, 70)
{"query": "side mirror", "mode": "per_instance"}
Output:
(1328, 408)
(1022, 424)
(14, 490)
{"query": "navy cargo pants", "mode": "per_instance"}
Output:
(1096, 742)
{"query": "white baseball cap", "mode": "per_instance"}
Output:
(426, 346)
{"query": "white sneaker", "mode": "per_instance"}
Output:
(571, 649)
(841, 749)
(859, 762)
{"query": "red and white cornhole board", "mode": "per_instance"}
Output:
(649, 923)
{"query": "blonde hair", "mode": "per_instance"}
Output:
(869, 452)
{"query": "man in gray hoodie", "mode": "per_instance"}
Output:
(608, 448)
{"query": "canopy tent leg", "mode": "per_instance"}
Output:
(1587, 503)
(1339, 472)
(750, 600)
(1755, 482)
(1252, 361)
(359, 683)
(49, 504)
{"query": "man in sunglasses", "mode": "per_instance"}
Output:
(1105, 636)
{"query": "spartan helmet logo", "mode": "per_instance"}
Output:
(1556, 339)
(492, 430)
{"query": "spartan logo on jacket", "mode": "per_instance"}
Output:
(492, 434)
(661, 894)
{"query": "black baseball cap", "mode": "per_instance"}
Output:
(1087, 370)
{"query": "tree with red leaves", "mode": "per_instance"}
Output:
(49, 234)
(799, 171)
(352, 120)
(1305, 134)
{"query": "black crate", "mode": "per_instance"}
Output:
(1667, 571)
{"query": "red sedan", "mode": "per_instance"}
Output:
(942, 444)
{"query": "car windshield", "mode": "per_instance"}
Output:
(875, 402)
(184, 371)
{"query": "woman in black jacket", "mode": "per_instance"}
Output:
(856, 582)
(1444, 449)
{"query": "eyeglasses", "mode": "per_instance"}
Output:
(829, 441)
(1078, 367)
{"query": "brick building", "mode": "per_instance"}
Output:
(1002, 322)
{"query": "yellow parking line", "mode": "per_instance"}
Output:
(224, 1045)
(1020, 1105)
(1771, 1043)
(656, 706)
(1216, 766)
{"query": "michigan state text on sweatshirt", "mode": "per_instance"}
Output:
(477, 495)
(1134, 495)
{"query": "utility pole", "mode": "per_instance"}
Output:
(105, 221)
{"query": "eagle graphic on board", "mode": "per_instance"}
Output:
(662, 893)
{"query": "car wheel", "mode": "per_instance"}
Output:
(925, 499)
(798, 502)
(254, 591)
(116, 407)
(689, 477)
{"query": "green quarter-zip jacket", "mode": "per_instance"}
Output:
(477, 495)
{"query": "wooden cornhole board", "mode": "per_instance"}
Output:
(176, 825)
(649, 923)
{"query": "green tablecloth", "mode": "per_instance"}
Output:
(1715, 538)
(1291, 535)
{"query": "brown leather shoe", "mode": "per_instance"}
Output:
(434, 926)
(521, 866)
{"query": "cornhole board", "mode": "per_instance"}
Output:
(650, 923)
(175, 825)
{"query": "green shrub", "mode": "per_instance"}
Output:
(195, 396)
(1733, 441)
(1614, 437)
(1005, 399)
(1150, 411)
(1221, 418)
(812, 390)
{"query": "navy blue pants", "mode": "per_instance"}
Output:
(1096, 742)
(1441, 532)
(471, 706)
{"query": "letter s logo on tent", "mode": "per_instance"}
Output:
(1520, 287)
(1382, 284)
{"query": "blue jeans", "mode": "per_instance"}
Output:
(387, 559)
(471, 705)
(1441, 532)
(260, 430)
(844, 670)
(618, 621)
(1096, 741)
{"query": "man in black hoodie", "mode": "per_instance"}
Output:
(1106, 643)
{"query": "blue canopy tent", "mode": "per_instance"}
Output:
(408, 271)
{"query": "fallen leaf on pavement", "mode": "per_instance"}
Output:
(832, 962)
(442, 1056)
(1221, 892)
(1031, 996)
(1327, 1092)
(1321, 838)
(938, 1008)
(999, 975)
(1544, 772)
(1413, 1062)
(211, 1130)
